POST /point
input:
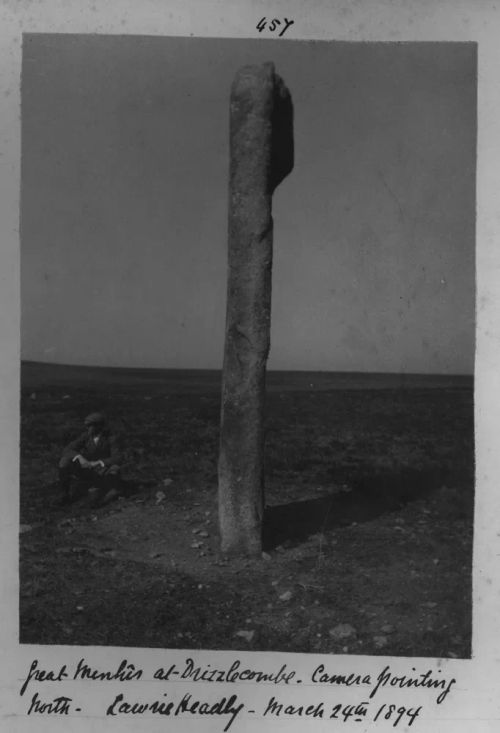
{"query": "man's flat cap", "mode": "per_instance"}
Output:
(95, 418)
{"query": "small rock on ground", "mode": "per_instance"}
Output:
(342, 631)
(247, 635)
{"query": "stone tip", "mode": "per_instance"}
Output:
(254, 75)
(257, 69)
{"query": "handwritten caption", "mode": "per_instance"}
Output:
(274, 25)
(375, 691)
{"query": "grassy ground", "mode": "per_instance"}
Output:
(368, 532)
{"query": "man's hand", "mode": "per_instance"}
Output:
(98, 466)
(82, 461)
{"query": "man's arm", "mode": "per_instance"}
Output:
(115, 455)
(74, 448)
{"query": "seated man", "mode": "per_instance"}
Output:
(93, 459)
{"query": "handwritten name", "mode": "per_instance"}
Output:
(225, 706)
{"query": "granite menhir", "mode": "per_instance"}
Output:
(261, 155)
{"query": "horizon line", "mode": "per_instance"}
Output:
(219, 369)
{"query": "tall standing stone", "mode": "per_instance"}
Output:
(261, 155)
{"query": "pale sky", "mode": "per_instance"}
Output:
(124, 203)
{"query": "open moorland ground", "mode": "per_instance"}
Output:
(368, 531)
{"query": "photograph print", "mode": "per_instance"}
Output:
(247, 327)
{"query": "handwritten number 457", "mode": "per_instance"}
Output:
(274, 25)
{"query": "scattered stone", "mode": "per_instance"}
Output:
(286, 596)
(167, 481)
(195, 531)
(79, 608)
(429, 604)
(266, 556)
(342, 631)
(155, 554)
(25, 528)
(380, 641)
(66, 397)
(436, 561)
(453, 655)
(247, 635)
(196, 545)
(388, 628)
(204, 534)
(159, 496)
(33, 396)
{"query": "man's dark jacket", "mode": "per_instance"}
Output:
(106, 450)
